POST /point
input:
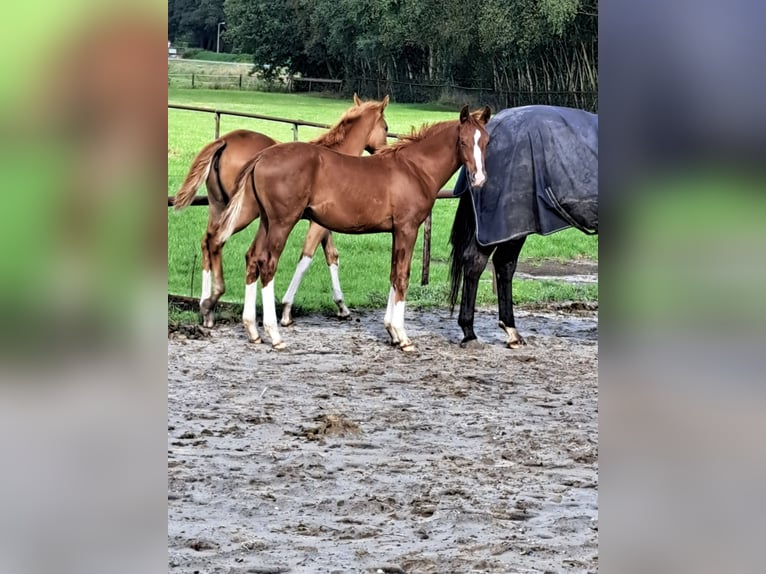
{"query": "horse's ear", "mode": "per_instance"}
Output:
(385, 102)
(485, 114)
(357, 101)
(464, 113)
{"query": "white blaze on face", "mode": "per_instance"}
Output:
(207, 285)
(479, 176)
(303, 265)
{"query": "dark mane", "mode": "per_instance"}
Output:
(418, 134)
(339, 131)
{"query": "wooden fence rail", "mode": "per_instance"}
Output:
(202, 199)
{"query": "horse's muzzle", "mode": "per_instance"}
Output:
(477, 182)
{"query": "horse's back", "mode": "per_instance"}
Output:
(541, 160)
(575, 126)
(241, 147)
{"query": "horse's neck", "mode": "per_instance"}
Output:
(355, 139)
(436, 155)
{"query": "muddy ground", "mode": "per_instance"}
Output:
(343, 454)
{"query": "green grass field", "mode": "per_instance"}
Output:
(364, 259)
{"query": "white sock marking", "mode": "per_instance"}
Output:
(300, 270)
(398, 318)
(479, 177)
(389, 308)
(337, 294)
(251, 295)
(269, 308)
(207, 285)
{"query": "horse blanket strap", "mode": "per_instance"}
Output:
(542, 174)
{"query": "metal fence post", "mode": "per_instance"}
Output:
(217, 124)
(192, 81)
(295, 132)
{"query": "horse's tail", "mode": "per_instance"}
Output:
(463, 230)
(198, 172)
(230, 216)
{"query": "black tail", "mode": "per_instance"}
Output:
(463, 230)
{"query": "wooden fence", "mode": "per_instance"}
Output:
(202, 200)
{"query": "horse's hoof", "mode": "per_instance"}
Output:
(279, 346)
(343, 315)
(394, 340)
(287, 322)
(256, 341)
(470, 343)
(517, 344)
(208, 322)
(408, 347)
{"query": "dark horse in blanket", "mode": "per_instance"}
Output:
(542, 177)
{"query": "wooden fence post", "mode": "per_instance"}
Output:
(295, 132)
(424, 277)
(240, 81)
(217, 124)
(192, 81)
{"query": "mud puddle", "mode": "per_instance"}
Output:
(342, 454)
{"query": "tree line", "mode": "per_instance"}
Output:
(500, 46)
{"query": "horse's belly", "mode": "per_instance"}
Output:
(351, 216)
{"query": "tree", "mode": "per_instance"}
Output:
(501, 45)
(195, 22)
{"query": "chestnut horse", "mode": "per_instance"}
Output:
(392, 191)
(362, 127)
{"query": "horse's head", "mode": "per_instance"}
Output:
(472, 143)
(377, 138)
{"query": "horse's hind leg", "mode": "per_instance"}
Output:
(212, 273)
(251, 287)
(244, 211)
(475, 259)
(268, 255)
(206, 306)
(333, 260)
(310, 244)
(504, 261)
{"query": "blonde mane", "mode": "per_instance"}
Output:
(417, 134)
(339, 131)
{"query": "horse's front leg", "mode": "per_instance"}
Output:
(401, 258)
(475, 260)
(504, 261)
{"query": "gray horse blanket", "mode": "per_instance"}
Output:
(542, 174)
